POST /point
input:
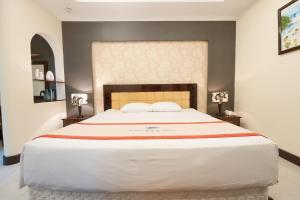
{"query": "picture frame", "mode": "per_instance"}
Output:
(289, 27)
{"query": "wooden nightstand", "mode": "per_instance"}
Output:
(231, 119)
(73, 119)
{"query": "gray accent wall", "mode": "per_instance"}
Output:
(78, 37)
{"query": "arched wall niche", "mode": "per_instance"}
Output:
(57, 51)
(44, 56)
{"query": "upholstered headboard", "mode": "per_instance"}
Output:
(115, 96)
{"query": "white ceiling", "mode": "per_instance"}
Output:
(146, 10)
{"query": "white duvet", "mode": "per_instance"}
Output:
(150, 165)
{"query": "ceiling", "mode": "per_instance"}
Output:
(71, 10)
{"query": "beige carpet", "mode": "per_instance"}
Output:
(9, 182)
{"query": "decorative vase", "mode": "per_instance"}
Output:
(52, 94)
(47, 95)
(41, 76)
(49, 76)
(37, 74)
(42, 93)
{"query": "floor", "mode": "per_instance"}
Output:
(286, 189)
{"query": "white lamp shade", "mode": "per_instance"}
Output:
(220, 97)
(79, 99)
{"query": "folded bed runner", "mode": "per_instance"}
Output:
(151, 131)
(159, 137)
(148, 123)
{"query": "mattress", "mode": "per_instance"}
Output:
(149, 152)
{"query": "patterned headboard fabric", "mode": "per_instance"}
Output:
(115, 96)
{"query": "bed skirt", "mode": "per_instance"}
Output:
(260, 193)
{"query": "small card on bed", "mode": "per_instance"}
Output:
(151, 129)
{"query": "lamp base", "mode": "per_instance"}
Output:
(220, 109)
(79, 112)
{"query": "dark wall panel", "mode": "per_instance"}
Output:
(78, 36)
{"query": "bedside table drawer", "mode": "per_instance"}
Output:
(235, 122)
(231, 119)
(67, 122)
(73, 120)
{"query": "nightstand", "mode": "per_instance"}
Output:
(231, 119)
(73, 119)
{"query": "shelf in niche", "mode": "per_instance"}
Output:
(48, 81)
(35, 55)
(45, 101)
(39, 99)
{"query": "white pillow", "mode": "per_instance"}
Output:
(166, 107)
(136, 107)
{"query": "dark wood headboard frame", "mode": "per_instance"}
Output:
(108, 89)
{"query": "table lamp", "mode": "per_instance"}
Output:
(220, 97)
(79, 99)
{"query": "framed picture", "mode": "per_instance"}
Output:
(289, 27)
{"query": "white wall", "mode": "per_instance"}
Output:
(267, 85)
(19, 21)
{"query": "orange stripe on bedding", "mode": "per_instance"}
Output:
(147, 123)
(149, 137)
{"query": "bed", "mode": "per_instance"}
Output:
(150, 155)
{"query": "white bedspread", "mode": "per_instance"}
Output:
(149, 165)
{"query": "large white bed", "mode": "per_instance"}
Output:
(150, 155)
(149, 165)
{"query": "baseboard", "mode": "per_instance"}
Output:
(11, 160)
(289, 157)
